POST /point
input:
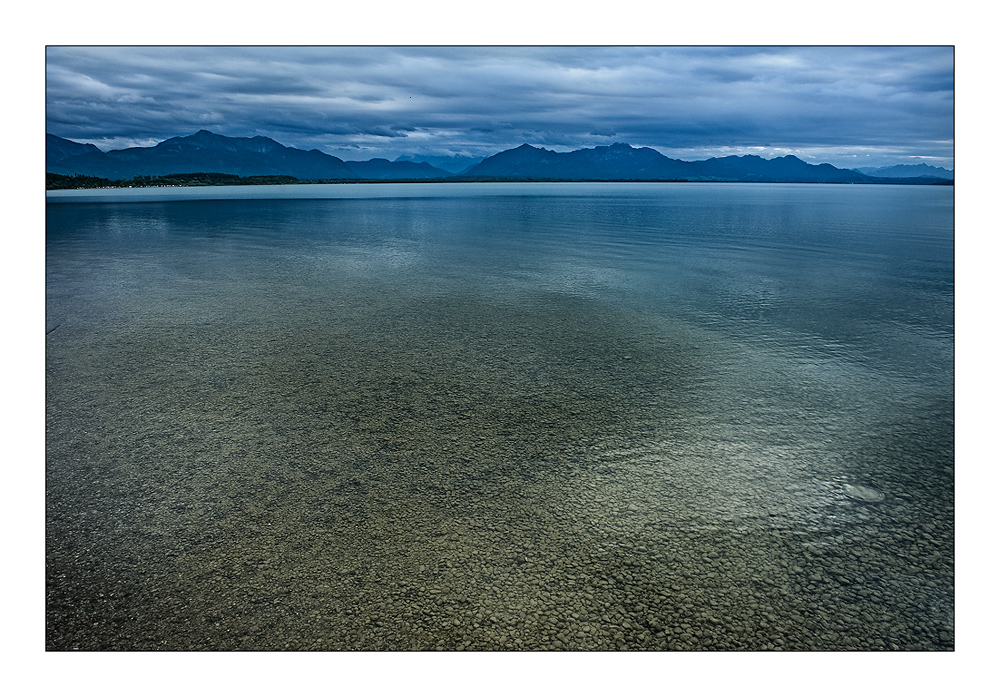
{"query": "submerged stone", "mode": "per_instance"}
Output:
(863, 493)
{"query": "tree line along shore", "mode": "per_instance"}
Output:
(79, 181)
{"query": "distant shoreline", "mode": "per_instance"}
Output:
(59, 182)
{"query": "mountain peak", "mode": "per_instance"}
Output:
(201, 135)
(209, 138)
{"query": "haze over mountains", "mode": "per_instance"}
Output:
(921, 170)
(259, 156)
(456, 164)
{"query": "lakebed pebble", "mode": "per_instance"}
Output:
(339, 493)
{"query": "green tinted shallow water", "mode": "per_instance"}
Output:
(501, 417)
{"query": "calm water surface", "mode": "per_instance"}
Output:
(492, 416)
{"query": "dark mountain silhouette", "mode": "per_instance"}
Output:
(523, 161)
(622, 161)
(780, 169)
(895, 171)
(206, 152)
(379, 168)
(209, 152)
(58, 149)
(618, 161)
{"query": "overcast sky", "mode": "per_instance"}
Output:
(849, 106)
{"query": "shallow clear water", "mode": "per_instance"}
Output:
(492, 416)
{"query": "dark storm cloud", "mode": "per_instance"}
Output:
(850, 106)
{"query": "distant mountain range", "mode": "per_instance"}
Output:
(205, 152)
(209, 152)
(921, 170)
(622, 161)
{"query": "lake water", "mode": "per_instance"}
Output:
(501, 417)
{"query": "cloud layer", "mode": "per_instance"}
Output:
(846, 105)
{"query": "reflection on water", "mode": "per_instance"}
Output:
(522, 417)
